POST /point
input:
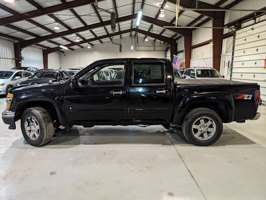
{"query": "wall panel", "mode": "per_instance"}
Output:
(6, 54)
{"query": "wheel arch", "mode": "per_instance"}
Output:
(50, 106)
(221, 107)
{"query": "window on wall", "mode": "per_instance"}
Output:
(148, 73)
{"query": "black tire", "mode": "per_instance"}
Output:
(8, 89)
(37, 126)
(202, 127)
(166, 126)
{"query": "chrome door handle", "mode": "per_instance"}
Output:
(161, 91)
(116, 92)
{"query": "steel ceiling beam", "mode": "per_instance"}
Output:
(116, 16)
(200, 4)
(100, 18)
(68, 32)
(44, 11)
(28, 20)
(162, 38)
(35, 4)
(133, 13)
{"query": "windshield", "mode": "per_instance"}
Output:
(45, 75)
(207, 73)
(5, 74)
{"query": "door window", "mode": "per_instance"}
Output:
(106, 75)
(148, 73)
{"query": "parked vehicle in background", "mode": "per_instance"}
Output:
(72, 71)
(45, 76)
(30, 69)
(10, 79)
(199, 73)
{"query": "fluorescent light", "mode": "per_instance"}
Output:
(89, 46)
(63, 47)
(10, 1)
(132, 47)
(146, 39)
(139, 17)
(77, 39)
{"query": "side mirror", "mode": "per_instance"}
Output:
(74, 82)
(223, 76)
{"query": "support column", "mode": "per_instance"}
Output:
(17, 52)
(173, 49)
(217, 39)
(188, 44)
(45, 59)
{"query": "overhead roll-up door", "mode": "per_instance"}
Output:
(250, 56)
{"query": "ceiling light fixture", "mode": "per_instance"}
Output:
(56, 27)
(132, 47)
(146, 39)
(89, 46)
(77, 39)
(139, 17)
(10, 1)
(162, 13)
(63, 47)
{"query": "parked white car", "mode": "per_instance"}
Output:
(199, 73)
(10, 79)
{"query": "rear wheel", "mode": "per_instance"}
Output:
(202, 127)
(37, 126)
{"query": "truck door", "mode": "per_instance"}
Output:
(150, 93)
(100, 96)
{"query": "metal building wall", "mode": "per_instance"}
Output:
(6, 54)
(249, 63)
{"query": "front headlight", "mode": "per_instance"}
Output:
(8, 100)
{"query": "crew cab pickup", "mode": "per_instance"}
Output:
(132, 92)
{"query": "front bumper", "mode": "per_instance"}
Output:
(9, 118)
(257, 116)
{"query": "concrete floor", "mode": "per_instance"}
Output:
(126, 163)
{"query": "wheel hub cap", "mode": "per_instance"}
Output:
(203, 128)
(32, 128)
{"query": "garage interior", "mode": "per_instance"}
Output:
(135, 162)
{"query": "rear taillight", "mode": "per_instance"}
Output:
(257, 98)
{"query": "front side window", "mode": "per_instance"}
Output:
(104, 75)
(148, 73)
(5, 74)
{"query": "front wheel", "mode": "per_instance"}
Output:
(37, 126)
(202, 127)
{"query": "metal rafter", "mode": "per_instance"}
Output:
(44, 11)
(133, 13)
(28, 20)
(157, 15)
(116, 14)
(79, 18)
(75, 30)
(100, 18)
(35, 4)
(162, 38)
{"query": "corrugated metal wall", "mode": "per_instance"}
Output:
(250, 56)
(6, 54)
(32, 57)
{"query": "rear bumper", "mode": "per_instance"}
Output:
(257, 116)
(9, 118)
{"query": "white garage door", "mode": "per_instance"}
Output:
(250, 56)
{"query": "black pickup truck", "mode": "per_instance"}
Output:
(132, 92)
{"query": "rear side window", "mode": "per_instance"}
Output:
(148, 73)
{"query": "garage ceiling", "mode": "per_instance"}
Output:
(33, 22)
